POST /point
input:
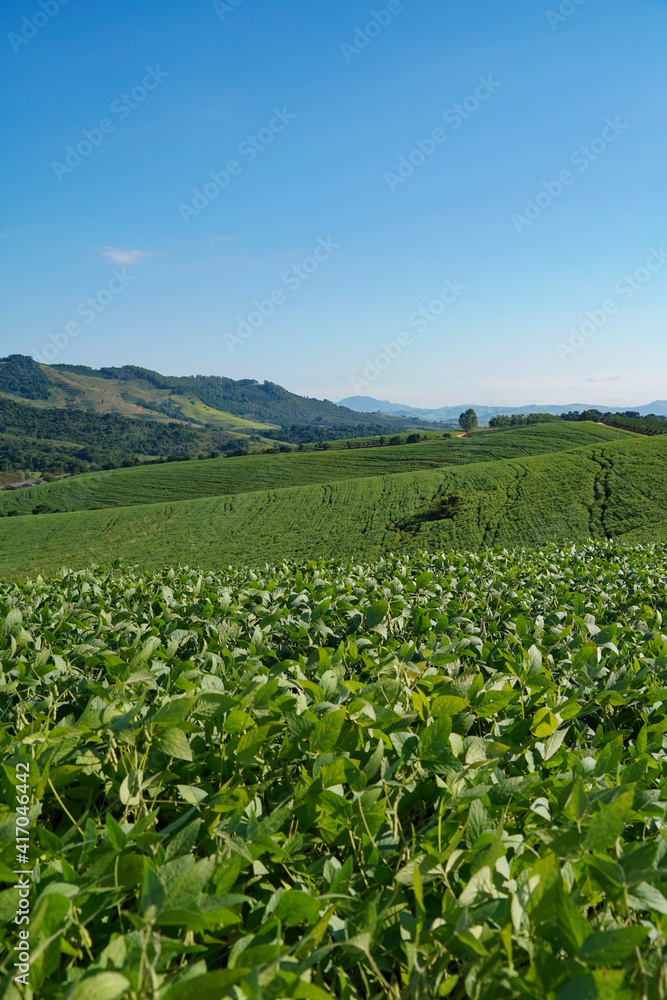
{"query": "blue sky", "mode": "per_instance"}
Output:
(541, 198)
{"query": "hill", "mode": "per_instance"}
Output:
(72, 440)
(452, 413)
(193, 480)
(613, 490)
(47, 413)
(132, 391)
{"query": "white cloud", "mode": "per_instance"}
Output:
(126, 256)
(605, 377)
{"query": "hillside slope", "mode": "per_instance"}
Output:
(139, 392)
(615, 490)
(47, 438)
(193, 480)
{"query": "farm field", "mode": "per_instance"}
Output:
(431, 776)
(192, 480)
(616, 490)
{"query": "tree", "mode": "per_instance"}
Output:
(468, 420)
(501, 420)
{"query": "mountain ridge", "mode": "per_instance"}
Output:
(237, 405)
(368, 404)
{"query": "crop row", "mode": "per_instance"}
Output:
(431, 776)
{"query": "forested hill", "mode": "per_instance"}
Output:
(174, 396)
(245, 398)
(64, 440)
(68, 418)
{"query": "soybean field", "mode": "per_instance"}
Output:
(429, 776)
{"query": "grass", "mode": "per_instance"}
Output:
(194, 409)
(193, 480)
(614, 490)
(430, 776)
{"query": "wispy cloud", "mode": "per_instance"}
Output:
(126, 256)
(605, 377)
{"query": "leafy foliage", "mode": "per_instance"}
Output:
(468, 420)
(432, 776)
(522, 420)
(641, 425)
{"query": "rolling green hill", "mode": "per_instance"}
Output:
(615, 490)
(56, 406)
(245, 405)
(193, 480)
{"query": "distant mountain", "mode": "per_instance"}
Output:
(368, 404)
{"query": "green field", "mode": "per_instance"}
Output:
(193, 480)
(434, 776)
(612, 490)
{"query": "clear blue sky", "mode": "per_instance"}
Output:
(350, 106)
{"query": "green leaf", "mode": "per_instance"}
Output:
(544, 722)
(609, 822)
(376, 614)
(212, 986)
(479, 889)
(434, 740)
(646, 897)
(101, 986)
(642, 739)
(173, 742)
(612, 948)
(478, 822)
(296, 907)
(325, 735)
(448, 704)
(192, 794)
(610, 756)
(492, 703)
(573, 925)
(117, 838)
(554, 743)
(374, 763)
(252, 741)
(152, 892)
(174, 711)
